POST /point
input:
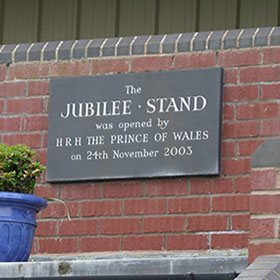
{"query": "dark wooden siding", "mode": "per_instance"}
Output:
(50, 20)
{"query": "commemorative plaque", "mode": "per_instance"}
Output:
(136, 125)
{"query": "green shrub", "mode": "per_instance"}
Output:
(18, 169)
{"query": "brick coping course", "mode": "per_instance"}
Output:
(140, 45)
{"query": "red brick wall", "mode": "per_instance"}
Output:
(265, 210)
(154, 214)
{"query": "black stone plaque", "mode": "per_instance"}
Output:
(140, 125)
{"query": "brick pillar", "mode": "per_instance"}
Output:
(264, 235)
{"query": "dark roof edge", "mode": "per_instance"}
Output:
(140, 45)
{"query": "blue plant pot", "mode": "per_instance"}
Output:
(17, 225)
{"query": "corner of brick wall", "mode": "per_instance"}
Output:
(158, 214)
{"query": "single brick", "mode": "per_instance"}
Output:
(144, 206)
(235, 166)
(11, 89)
(270, 127)
(31, 70)
(230, 76)
(57, 245)
(215, 41)
(35, 123)
(81, 191)
(165, 187)
(199, 185)
(143, 243)
(64, 51)
(188, 205)
(58, 210)
(194, 60)
(184, 42)
(80, 48)
(31, 139)
(257, 111)
(243, 184)
(207, 223)
(34, 53)
(168, 45)
(240, 222)
(271, 91)
(109, 47)
(275, 36)
(6, 53)
(94, 48)
(77, 227)
(38, 88)
(98, 244)
(120, 226)
(231, 203)
(163, 224)
(232, 58)
(229, 241)
(31, 106)
(228, 112)
(241, 129)
(199, 43)
(3, 72)
(153, 46)
(151, 63)
(265, 204)
(101, 208)
(246, 39)
(50, 50)
(264, 179)
(46, 191)
(208, 186)
(111, 65)
(261, 38)
(271, 55)
(122, 189)
(10, 124)
(187, 242)
(46, 228)
(261, 228)
(138, 46)
(248, 147)
(230, 40)
(241, 93)
(124, 46)
(21, 52)
(69, 68)
(228, 149)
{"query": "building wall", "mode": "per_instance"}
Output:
(187, 213)
(49, 20)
